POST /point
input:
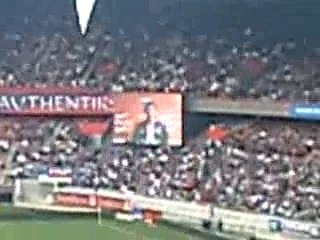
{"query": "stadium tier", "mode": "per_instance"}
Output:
(156, 125)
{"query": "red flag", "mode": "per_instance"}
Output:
(93, 128)
(216, 133)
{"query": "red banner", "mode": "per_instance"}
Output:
(111, 204)
(75, 200)
(108, 204)
(61, 104)
(90, 201)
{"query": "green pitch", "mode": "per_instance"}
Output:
(83, 230)
(28, 225)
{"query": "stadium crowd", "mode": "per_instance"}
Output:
(268, 166)
(200, 65)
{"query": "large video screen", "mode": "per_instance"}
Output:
(148, 119)
(139, 118)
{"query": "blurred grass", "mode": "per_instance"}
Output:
(21, 224)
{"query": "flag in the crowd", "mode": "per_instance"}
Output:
(216, 133)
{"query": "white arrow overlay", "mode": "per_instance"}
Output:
(84, 10)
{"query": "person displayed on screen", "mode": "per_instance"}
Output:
(151, 131)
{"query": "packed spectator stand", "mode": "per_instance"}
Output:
(266, 166)
(194, 66)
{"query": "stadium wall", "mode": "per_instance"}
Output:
(242, 107)
(303, 111)
(197, 216)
